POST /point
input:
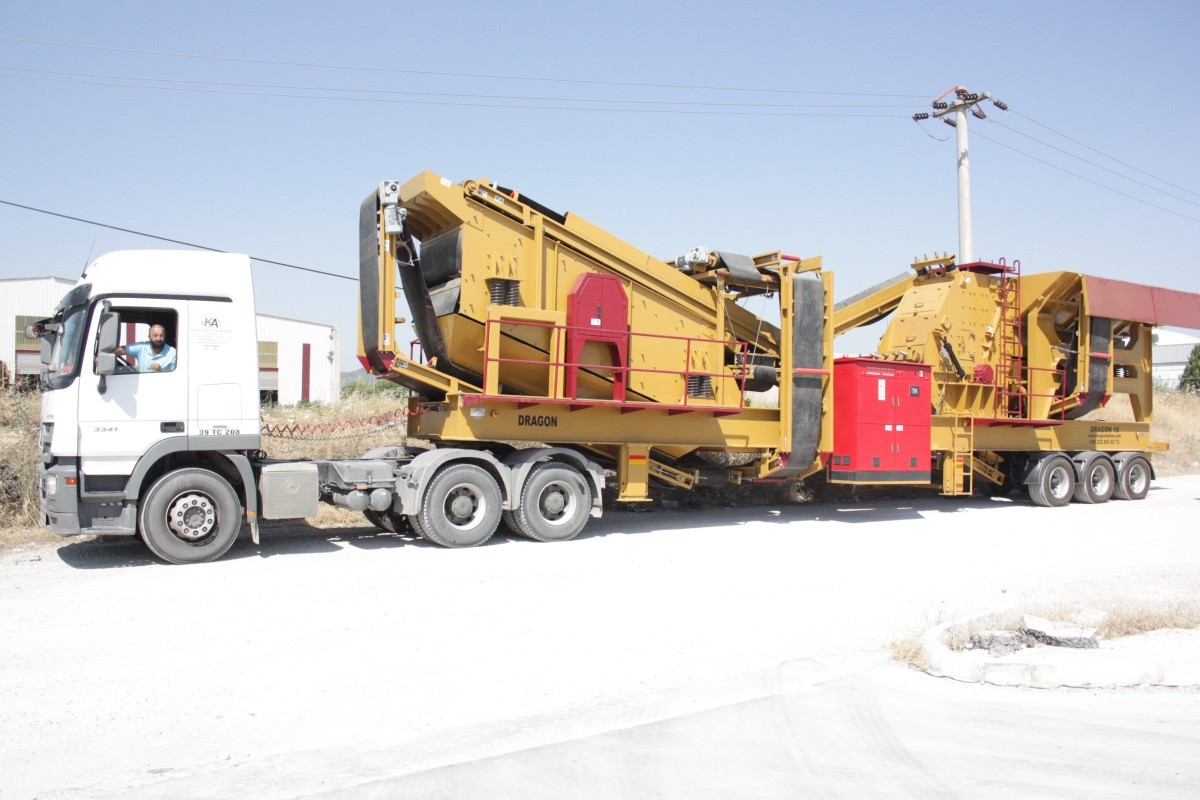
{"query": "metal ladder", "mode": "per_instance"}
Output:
(958, 474)
(1012, 390)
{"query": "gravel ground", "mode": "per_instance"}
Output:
(278, 668)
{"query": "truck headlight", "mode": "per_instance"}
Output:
(51, 485)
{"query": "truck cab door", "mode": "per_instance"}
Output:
(123, 415)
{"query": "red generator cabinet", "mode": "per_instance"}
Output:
(881, 420)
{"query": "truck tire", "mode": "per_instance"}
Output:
(555, 503)
(461, 506)
(388, 521)
(1133, 478)
(189, 516)
(1055, 483)
(1097, 479)
(414, 522)
(509, 518)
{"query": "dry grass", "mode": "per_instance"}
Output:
(380, 418)
(1115, 619)
(1175, 413)
(1111, 620)
(909, 651)
(20, 413)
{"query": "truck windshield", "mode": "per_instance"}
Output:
(64, 361)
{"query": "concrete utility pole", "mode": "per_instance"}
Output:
(964, 101)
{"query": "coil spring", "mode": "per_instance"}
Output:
(504, 291)
(699, 386)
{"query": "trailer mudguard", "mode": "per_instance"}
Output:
(522, 463)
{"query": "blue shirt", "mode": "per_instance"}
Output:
(144, 353)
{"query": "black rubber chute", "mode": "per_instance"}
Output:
(1099, 341)
(741, 268)
(808, 352)
(368, 279)
(416, 294)
(441, 256)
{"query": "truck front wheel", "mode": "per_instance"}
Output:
(461, 507)
(189, 516)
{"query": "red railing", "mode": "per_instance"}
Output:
(691, 380)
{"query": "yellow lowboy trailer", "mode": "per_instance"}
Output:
(536, 326)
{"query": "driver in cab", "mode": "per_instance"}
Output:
(152, 356)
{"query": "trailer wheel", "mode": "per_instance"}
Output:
(462, 506)
(1055, 483)
(1133, 479)
(555, 503)
(189, 516)
(509, 518)
(1097, 480)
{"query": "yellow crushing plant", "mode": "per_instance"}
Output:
(537, 326)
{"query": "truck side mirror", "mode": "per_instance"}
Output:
(46, 348)
(107, 337)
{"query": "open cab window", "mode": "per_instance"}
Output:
(145, 339)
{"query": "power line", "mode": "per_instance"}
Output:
(1106, 155)
(172, 241)
(965, 102)
(395, 101)
(489, 76)
(295, 87)
(1094, 164)
(1089, 180)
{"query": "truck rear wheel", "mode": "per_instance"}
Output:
(1055, 482)
(555, 503)
(461, 507)
(1133, 478)
(189, 516)
(1097, 479)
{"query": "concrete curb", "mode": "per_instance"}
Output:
(1117, 663)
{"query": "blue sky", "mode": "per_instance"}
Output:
(582, 107)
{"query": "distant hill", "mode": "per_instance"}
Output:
(354, 375)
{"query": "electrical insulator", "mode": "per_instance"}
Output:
(920, 116)
(977, 112)
(1000, 105)
(941, 105)
(950, 122)
(962, 93)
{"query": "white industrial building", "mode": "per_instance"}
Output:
(1170, 353)
(24, 301)
(297, 360)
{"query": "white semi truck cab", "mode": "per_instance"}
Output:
(174, 454)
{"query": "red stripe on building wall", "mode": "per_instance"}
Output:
(304, 371)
